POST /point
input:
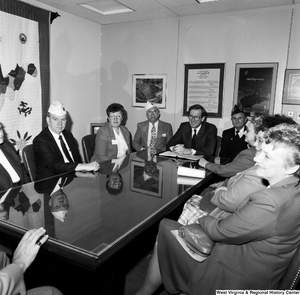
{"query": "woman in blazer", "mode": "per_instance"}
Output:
(113, 140)
(254, 245)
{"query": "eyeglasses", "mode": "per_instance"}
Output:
(114, 184)
(195, 118)
(119, 117)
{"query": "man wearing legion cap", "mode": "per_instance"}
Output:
(233, 139)
(153, 133)
(55, 149)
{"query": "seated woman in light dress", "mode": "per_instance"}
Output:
(113, 140)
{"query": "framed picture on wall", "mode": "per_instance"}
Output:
(203, 84)
(254, 87)
(146, 179)
(95, 127)
(152, 88)
(291, 90)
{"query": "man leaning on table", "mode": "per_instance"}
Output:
(152, 133)
(55, 149)
(196, 137)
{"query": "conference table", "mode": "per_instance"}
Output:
(97, 229)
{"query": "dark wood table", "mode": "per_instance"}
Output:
(101, 232)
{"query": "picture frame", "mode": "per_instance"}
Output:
(291, 89)
(95, 127)
(254, 87)
(149, 88)
(146, 184)
(203, 84)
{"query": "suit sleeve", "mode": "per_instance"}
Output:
(241, 162)
(176, 139)
(169, 132)
(101, 146)
(137, 140)
(254, 221)
(210, 142)
(48, 157)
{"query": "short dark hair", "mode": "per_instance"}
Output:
(271, 121)
(115, 107)
(198, 107)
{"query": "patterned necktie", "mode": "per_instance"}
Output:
(152, 141)
(67, 154)
(194, 145)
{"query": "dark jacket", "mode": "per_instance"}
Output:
(206, 138)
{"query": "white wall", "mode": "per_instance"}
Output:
(75, 68)
(155, 47)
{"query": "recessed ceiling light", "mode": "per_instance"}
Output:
(107, 7)
(203, 1)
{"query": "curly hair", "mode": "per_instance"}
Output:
(263, 123)
(287, 136)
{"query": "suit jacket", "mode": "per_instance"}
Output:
(104, 148)
(164, 134)
(48, 158)
(206, 138)
(253, 246)
(13, 158)
(241, 162)
(231, 144)
(238, 187)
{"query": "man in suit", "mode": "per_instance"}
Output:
(233, 139)
(162, 131)
(196, 137)
(55, 149)
(12, 172)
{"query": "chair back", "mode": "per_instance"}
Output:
(29, 162)
(88, 147)
(291, 276)
(218, 146)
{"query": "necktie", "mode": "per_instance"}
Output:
(236, 133)
(194, 145)
(67, 154)
(152, 141)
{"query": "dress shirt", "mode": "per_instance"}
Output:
(197, 130)
(12, 172)
(56, 137)
(241, 132)
(122, 145)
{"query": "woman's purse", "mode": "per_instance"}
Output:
(196, 239)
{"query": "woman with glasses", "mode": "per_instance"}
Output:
(254, 245)
(113, 140)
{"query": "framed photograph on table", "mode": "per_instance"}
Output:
(146, 179)
(291, 90)
(152, 88)
(254, 87)
(203, 84)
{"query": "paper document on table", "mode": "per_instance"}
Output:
(188, 180)
(189, 251)
(174, 155)
(190, 172)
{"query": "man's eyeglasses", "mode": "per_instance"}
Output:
(195, 118)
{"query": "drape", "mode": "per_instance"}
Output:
(24, 70)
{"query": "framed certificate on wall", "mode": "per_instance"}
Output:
(203, 84)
